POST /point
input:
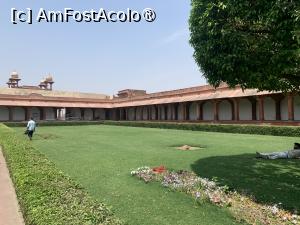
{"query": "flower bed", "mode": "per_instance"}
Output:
(243, 208)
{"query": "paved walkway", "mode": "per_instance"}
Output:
(9, 208)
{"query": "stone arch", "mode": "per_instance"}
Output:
(193, 111)
(269, 108)
(245, 109)
(225, 110)
(208, 110)
(18, 114)
(4, 113)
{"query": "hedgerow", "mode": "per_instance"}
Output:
(45, 194)
(240, 129)
(54, 123)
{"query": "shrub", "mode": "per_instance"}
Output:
(45, 194)
(240, 129)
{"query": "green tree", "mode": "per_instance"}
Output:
(251, 43)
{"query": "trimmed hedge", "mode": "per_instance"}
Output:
(54, 123)
(240, 129)
(45, 194)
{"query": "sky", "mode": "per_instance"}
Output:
(100, 57)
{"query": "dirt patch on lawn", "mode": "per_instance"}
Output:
(188, 148)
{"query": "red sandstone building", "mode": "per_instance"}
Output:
(196, 104)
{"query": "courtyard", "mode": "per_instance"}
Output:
(100, 159)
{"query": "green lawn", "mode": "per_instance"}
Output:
(101, 157)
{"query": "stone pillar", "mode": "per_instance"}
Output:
(166, 112)
(183, 111)
(149, 113)
(253, 101)
(176, 111)
(278, 98)
(10, 113)
(187, 111)
(291, 115)
(126, 114)
(158, 112)
(236, 109)
(93, 114)
(261, 108)
(42, 113)
(55, 113)
(199, 110)
(216, 109)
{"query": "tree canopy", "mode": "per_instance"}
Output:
(251, 43)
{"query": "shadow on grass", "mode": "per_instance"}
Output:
(268, 181)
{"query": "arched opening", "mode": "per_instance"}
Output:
(193, 111)
(181, 111)
(4, 113)
(18, 114)
(100, 114)
(145, 113)
(269, 109)
(245, 109)
(284, 109)
(49, 114)
(208, 111)
(88, 114)
(225, 110)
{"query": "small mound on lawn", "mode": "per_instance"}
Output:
(188, 148)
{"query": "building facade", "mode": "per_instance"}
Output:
(196, 104)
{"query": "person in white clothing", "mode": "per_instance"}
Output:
(30, 128)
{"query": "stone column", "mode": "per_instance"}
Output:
(126, 114)
(236, 109)
(216, 109)
(93, 114)
(55, 113)
(187, 111)
(10, 113)
(199, 110)
(183, 111)
(176, 111)
(253, 102)
(149, 109)
(42, 113)
(158, 112)
(291, 106)
(166, 112)
(261, 108)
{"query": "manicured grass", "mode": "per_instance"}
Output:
(101, 157)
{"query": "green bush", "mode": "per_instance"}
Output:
(240, 129)
(54, 123)
(45, 194)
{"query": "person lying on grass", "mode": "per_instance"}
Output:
(291, 154)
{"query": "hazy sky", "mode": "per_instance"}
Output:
(101, 57)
